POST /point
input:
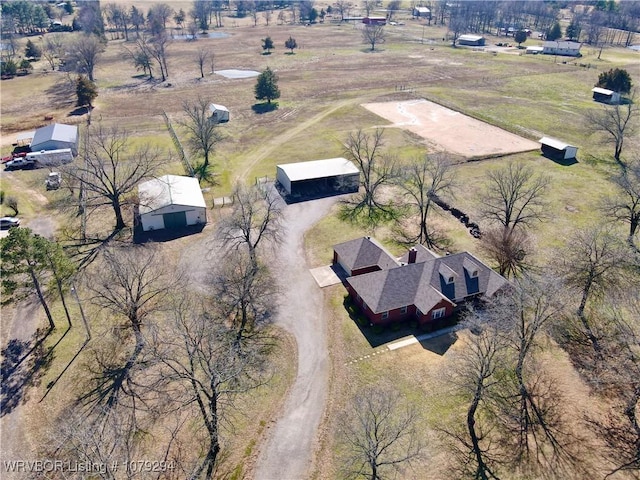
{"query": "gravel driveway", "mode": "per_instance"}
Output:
(287, 453)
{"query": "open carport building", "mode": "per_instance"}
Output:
(171, 202)
(557, 149)
(334, 175)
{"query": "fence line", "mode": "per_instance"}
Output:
(176, 142)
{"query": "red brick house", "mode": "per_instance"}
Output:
(420, 285)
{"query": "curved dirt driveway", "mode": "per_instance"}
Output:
(287, 452)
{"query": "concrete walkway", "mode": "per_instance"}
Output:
(421, 338)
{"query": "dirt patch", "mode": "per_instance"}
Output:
(449, 130)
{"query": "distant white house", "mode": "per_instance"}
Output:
(605, 96)
(557, 149)
(171, 202)
(55, 137)
(218, 113)
(535, 49)
(422, 12)
(569, 49)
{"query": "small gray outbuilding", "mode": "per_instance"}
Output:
(605, 95)
(334, 175)
(55, 137)
(557, 149)
(218, 113)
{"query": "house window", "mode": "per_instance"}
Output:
(385, 315)
(364, 307)
(474, 273)
(403, 310)
(418, 312)
(439, 313)
(450, 280)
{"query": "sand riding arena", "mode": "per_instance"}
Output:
(446, 129)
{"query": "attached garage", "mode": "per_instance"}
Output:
(331, 176)
(557, 149)
(171, 202)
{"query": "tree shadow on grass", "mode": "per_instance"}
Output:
(62, 93)
(23, 365)
(261, 108)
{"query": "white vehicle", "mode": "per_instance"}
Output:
(18, 163)
(51, 158)
(53, 181)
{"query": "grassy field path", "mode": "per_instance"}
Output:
(266, 149)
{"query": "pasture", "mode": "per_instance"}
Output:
(330, 87)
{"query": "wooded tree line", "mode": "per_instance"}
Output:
(595, 24)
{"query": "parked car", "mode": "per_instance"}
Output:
(18, 163)
(9, 222)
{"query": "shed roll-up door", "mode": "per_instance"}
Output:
(175, 220)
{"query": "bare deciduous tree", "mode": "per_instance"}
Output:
(508, 249)
(111, 171)
(373, 35)
(593, 264)
(625, 206)
(514, 196)
(376, 170)
(535, 432)
(133, 284)
(476, 376)
(256, 218)
(617, 378)
(200, 361)
(83, 54)
(380, 434)
(244, 293)
(202, 130)
(203, 57)
(616, 123)
(422, 182)
(53, 48)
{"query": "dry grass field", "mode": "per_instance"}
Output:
(324, 86)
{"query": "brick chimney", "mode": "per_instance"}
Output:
(413, 253)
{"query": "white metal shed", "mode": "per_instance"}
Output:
(557, 149)
(171, 202)
(219, 113)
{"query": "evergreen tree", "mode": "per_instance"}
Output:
(573, 31)
(555, 32)
(267, 44)
(520, 37)
(86, 91)
(32, 50)
(290, 43)
(615, 79)
(267, 86)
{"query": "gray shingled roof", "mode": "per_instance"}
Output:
(423, 254)
(422, 283)
(364, 252)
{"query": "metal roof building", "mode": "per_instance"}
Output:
(331, 176)
(557, 149)
(219, 113)
(55, 137)
(473, 40)
(171, 201)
